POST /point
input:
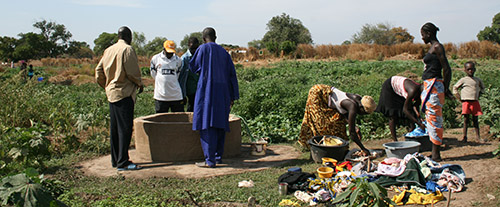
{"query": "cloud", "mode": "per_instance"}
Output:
(115, 3)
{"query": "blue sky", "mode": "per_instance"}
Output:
(238, 22)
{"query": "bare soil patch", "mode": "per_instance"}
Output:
(481, 168)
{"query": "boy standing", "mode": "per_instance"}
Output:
(471, 88)
(165, 68)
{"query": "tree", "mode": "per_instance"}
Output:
(184, 43)
(285, 28)
(256, 44)
(382, 34)
(104, 41)
(138, 43)
(154, 46)
(401, 35)
(56, 35)
(7, 47)
(79, 50)
(31, 46)
(491, 33)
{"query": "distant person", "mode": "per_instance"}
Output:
(215, 95)
(165, 69)
(30, 71)
(471, 88)
(436, 77)
(187, 78)
(399, 100)
(119, 74)
(329, 109)
(22, 69)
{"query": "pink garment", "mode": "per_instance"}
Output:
(391, 167)
(397, 83)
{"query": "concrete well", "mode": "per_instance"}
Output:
(168, 137)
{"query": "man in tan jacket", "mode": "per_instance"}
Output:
(119, 74)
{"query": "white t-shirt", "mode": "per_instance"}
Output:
(166, 72)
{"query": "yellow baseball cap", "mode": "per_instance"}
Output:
(169, 46)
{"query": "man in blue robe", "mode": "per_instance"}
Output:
(216, 91)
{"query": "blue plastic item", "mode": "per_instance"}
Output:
(295, 169)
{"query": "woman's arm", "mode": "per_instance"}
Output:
(352, 109)
(439, 50)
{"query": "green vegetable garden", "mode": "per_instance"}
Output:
(48, 128)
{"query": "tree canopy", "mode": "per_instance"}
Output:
(382, 34)
(184, 43)
(154, 46)
(284, 30)
(491, 33)
(53, 40)
(138, 43)
(104, 41)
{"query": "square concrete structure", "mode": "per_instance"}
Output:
(168, 137)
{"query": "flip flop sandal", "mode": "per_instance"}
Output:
(203, 164)
(130, 167)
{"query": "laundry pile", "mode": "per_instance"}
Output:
(416, 179)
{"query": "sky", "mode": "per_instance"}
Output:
(238, 22)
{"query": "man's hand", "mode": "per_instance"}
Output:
(141, 88)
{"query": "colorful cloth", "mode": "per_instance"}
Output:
(319, 119)
(412, 197)
(471, 107)
(397, 83)
(432, 104)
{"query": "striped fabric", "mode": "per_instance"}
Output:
(432, 104)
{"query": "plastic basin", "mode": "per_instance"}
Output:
(425, 142)
(401, 149)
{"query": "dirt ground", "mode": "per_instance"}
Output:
(276, 155)
(481, 168)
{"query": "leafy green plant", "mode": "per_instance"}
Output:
(23, 147)
(363, 193)
(26, 189)
(490, 104)
(496, 152)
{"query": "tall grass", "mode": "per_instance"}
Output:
(407, 50)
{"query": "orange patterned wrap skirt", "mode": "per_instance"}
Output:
(319, 119)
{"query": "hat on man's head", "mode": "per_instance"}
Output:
(368, 104)
(169, 46)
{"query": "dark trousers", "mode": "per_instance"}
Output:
(190, 106)
(212, 143)
(121, 123)
(164, 106)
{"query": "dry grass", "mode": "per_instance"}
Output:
(80, 71)
(474, 49)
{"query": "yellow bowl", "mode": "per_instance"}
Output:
(325, 172)
(327, 159)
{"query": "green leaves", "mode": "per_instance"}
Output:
(25, 190)
(363, 193)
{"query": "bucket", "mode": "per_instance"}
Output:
(259, 147)
(325, 172)
(401, 149)
(425, 142)
(319, 151)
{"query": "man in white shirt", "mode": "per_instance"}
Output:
(165, 69)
